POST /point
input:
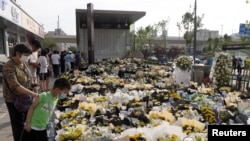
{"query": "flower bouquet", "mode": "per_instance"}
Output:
(184, 63)
(182, 73)
(222, 70)
(247, 63)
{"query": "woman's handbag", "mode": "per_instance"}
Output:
(21, 102)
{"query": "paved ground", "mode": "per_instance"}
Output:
(5, 127)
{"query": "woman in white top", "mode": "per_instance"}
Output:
(42, 62)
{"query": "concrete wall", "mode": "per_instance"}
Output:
(107, 42)
(199, 72)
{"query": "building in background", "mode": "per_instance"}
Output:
(111, 32)
(15, 23)
(63, 41)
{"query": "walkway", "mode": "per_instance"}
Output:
(5, 127)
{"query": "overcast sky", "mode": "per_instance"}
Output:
(222, 15)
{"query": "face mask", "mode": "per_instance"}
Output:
(63, 96)
(24, 59)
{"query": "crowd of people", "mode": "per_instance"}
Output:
(52, 64)
(29, 67)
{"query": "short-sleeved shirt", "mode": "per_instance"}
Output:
(33, 59)
(42, 61)
(15, 75)
(55, 59)
(43, 111)
(68, 58)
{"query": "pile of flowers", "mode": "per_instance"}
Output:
(222, 70)
(149, 107)
(247, 63)
(184, 63)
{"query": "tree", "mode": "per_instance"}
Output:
(49, 42)
(174, 51)
(226, 39)
(187, 24)
(72, 48)
(212, 46)
(145, 36)
(162, 27)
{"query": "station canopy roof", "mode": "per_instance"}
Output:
(109, 18)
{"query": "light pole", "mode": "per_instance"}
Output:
(195, 30)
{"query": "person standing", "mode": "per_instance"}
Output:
(78, 60)
(62, 61)
(32, 63)
(55, 58)
(41, 110)
(17, 79)
(234, 63)
(73, 59)
(42, 61)
(239, 66)
(49, 71)
(68, 59)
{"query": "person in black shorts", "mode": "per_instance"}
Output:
(43, 63)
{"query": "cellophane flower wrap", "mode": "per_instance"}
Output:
(184, 63)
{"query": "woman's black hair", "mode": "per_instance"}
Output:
(44, 52)
(47, 49)
(21, 48)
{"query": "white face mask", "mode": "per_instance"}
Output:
(24, 59)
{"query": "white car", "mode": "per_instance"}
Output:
(153, 58)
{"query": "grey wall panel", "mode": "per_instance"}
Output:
(107, 42)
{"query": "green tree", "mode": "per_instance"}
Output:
(226, 39)
(187, 24)
(151, 32)
(162, 27)
(145, 36)
(212, 46)
(49, 42)
(72, 48)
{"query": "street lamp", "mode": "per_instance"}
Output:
(195, 30)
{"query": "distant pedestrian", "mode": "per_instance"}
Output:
(62, 61)
(234, 63)
(49, 71)
(77, 60)
(239, 65)
(73, 60)
(68, 59)
(43, 64)
(32, 62)
(55, 58)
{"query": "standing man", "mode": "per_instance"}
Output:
(73, 59)
(62, 61)
(68, 59)
(32, 63)
(78, 60)
(55, 57)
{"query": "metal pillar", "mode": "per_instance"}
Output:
(195, 29)
(90, 30)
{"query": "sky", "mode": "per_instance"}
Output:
(221, 15)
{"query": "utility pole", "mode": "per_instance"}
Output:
(222, 31)
(58, 26)
(195, 30)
